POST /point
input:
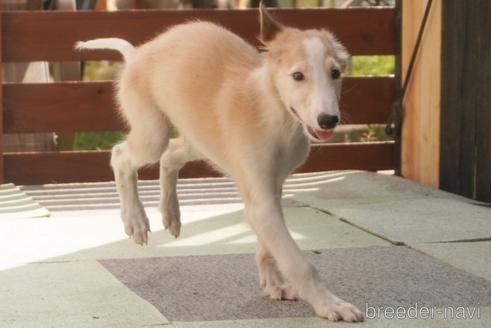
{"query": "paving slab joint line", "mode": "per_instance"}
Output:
(48, 261)
(393, 242)
(426, 253)
(479, 203)
(166, 324)
(472, 240)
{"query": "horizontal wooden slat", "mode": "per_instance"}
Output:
(89, 106)
(367, 100)
(369, 156)
(50, 36)
(58, 167)
(60, 107)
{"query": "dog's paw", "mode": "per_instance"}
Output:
(137, 226)
(273, 286)
(174, 226)
(275, 292)
(171, 218)
(289, 293)
(340, 311)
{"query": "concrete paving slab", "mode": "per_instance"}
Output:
(205, 230)
(361, 187)
(400, 210)
(229, 234)
(439, 321)
(46, 294)
(226, 287)
(415, 221)
(70, 232)
(76, 294)
(473, 257)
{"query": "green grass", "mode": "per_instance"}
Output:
(371, 65)
(97, 140)
(94, 71)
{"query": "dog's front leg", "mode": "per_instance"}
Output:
(264, 214)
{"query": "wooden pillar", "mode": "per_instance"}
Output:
(465, 112)
(2, 167)
(421, 125)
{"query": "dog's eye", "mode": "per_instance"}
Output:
(335, 73)
(298, 76)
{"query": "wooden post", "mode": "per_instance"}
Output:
(2, 172)
(421, 125)
(465, 119)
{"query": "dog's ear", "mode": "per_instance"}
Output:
(269, 27)
(341, 54)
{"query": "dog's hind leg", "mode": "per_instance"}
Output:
(144, 144)
(174, 158)
(271, 280)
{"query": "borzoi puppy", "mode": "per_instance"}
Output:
(251, 115)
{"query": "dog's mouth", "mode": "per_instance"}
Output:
(321, 135)
(314, 134)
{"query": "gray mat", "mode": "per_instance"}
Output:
(225, 287)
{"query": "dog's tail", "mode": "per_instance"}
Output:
(123, 46)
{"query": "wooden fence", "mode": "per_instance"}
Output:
(89, 106)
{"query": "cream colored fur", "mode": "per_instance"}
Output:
(232, 107)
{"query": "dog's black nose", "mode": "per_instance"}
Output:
(327, 122)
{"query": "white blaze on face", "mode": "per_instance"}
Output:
(323, 95)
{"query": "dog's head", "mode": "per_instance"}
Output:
(306, 67)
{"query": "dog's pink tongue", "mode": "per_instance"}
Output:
(324, 135)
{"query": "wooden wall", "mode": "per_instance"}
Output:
(446, 126)
(465, 107)
(64, 106)
(421, 125)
